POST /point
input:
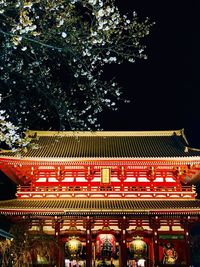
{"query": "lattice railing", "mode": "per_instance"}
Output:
(106, 191)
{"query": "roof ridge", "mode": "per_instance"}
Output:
(36, 133)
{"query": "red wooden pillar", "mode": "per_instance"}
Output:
(123, 225)
(59, 262)
(154, 224)
(88, 226)
(185, 226)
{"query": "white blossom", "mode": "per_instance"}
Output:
(64, 35)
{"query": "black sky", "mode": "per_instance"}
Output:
(164, 89)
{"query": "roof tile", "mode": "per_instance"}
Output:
(96, 206)
(109, 145)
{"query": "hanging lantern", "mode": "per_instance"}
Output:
(105, 245)
(73, 247)
(138, 247)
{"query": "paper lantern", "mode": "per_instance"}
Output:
(105, 245)
(73, 247)
(138, 247)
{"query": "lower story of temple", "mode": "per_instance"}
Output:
(101, 241)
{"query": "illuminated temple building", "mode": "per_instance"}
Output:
(103, 199)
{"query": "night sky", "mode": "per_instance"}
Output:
(164, 89)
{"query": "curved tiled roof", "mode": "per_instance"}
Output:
(149, 144)
(99, 206)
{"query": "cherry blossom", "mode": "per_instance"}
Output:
(53, 58)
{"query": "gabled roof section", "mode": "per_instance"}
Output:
(107, 145)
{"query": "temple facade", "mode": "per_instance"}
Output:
(102, 199)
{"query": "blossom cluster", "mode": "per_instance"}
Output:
(54, 55)
(9, 133)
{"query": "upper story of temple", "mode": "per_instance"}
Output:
(104, 164)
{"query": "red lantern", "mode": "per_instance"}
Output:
(105, 245)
